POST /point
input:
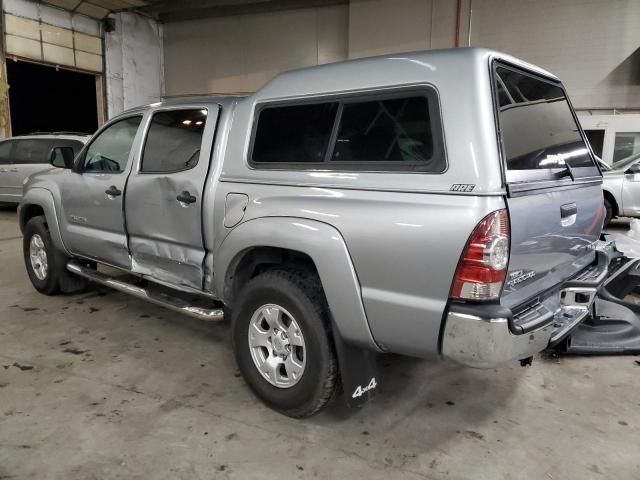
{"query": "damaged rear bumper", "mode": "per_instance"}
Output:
(484, 336)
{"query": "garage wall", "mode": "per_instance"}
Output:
(593, 45)
(134, 72)
(241, 53)
(378, 27)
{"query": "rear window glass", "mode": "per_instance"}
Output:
(386, 133)
(537, 126)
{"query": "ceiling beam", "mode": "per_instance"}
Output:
(170, 11)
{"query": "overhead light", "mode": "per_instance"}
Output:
(199, 122)
(186, 122)
(204, 112)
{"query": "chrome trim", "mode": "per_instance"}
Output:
(171, 302)
(568, 297)
(487, 342)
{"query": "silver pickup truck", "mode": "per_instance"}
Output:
(434, 204)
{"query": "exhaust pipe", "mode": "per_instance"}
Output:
(172, 302)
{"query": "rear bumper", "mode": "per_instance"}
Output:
(484, 336)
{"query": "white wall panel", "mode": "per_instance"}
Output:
(241, 53)
(592, 45)
(377, 27)
(22, 27)
(58, 55)
(133, 54)
(23, 47)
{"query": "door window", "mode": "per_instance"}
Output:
(596, 140)
(173, 142)
(109, 151)
(626, 144)
(32, 151)
(5, 152)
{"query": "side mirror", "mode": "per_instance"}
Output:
(61, 157)
(633, 169)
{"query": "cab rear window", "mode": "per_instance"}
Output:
(537, 126)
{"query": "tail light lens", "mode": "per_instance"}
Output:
(483, 265)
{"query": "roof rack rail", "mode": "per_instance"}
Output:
(62, 132)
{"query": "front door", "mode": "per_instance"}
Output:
(164, 197)
(92, 198)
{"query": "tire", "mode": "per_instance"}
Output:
(300, 300)
(55, 278)
(608, 212)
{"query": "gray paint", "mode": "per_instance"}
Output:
(385, 244)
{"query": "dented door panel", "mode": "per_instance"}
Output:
(164, 217)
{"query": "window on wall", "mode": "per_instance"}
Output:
(390, 132)
(173, 141)
(626, 144)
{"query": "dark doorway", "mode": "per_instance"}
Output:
(46, 99)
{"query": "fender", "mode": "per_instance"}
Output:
(43, 198)
(326, 247)
(352, 337)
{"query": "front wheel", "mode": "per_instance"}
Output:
(282, 343)
(45, 264)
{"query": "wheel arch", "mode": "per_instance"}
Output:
(36, 202)
(269, 241)
(612, 200)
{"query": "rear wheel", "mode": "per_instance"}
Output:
(608, 212)
(45, 264)
(282, 343)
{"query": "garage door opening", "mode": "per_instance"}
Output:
(46, 99)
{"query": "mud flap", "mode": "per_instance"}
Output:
(358, 371)
(614, 326)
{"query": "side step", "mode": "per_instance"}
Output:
(155, 294)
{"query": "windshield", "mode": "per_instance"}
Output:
(625, 162)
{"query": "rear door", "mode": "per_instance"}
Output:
(30, 155)
(7, 193)
(555, 198)
(163, 206)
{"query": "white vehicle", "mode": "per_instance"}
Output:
(23, 156)
(621, 186)
(612, 137)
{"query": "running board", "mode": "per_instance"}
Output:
(153, 294)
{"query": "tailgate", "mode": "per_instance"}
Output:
(555, 199)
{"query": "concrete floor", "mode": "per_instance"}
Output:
(100, 385)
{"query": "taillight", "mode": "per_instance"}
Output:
(483, 264)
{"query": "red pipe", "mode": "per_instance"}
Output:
(458, 12)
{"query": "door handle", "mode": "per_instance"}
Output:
(186, 197)
(568, 214)
(112, 191)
